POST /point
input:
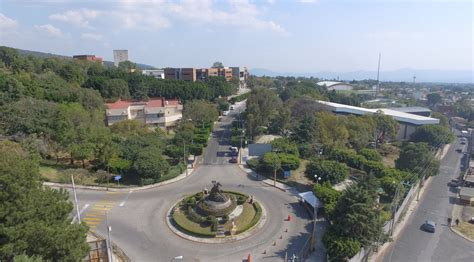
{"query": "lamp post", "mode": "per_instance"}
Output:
(317, 178)
(109, 242)
(184, 158)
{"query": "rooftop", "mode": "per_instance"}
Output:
(411, 109)
(397, 115)
(329, 83)
(152, 102)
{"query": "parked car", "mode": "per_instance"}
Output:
(429, 226)
(459, 150)
(225, 113)
(231, 107)
(233, 148)
(233, 160)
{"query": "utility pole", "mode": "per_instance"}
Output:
(274, 171)
(394, 208)
(378, 73)
(78, 214)
(109, 242)
(184, 158)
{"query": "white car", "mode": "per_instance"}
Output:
(225, 113)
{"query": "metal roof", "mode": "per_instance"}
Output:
(311, 199)
(411, 109)
(397, 115)
(329, 83)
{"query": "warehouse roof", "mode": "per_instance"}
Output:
(397, 115)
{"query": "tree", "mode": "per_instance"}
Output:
(328, 196)
(200, 112)
(418, 159)
(443, 120)
(435, 135)
(370, 154)
(357, 217)
(270, 162)
(44, 232)
(328, 170)
(217, 65)
(115, 88)
(129, 128)
(149, 163)
(262, 105)
(385, 125)
(220, 87)
(127, 66)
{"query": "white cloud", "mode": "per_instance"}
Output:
(50, 30)
(92, 36)
(79, 17)
(6, 22)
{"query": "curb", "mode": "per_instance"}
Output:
(224, 240)
(126, 189)
(261, 180)
(461, 234)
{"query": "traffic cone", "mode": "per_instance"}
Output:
(289, 217)
(248, 258)
(265, 252)
(286, 230)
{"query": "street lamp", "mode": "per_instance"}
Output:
(177, 258)
(317, 178)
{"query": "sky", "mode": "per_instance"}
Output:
(284, 36)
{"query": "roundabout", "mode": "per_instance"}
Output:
(216, 216)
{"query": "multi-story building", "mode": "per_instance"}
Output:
(193, 74)
(120, 56)
(156, 112)
(90, 58)
(156, 73)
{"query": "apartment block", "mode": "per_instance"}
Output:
(90, 58)
(156, 112)
(120, 56)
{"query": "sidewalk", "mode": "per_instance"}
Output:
(400, 225)
(182, 176)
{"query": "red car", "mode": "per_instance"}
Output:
(233, 160)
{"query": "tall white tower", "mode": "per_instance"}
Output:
(120, 56)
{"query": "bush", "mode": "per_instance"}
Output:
(374, 167)
(235, 141)
(200, 139)
(195, 217)
(371, 154)
(289, 161)
(328, 170)
(196, 149)
(225, 219)
(240, 200)
(147, 181)
(253, 163)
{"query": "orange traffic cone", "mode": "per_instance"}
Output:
(289, 217)
(248, 258)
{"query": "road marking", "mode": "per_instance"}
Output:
(80, 213)
(126, 198)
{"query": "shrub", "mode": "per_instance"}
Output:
(371, 154)
(225, 219)
(195, 217)
(196, 149)
(328, 170)
(240, 200)
(289, 161)
(147, 181)
(374, 167)
(253, 163)
(200, 139)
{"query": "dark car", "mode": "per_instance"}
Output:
(429, 226)
(233, 160)
(459, 150)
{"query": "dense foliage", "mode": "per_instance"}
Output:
(34, 219)
(435, 135)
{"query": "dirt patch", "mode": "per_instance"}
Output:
(389, 154)
(298, 178)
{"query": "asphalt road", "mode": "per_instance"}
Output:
(436, 204)
(138, 222)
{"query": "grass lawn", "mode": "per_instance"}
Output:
(191, 227)
(466, 229)
(246, 216)
(50, 173)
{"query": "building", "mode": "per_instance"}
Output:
(407, 122)
(416, 110)
(120, 56)
(90, 58)
(156, 73)
(336, 86)
(193, 74)
(156, 112)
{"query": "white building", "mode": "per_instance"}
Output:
(156, 112)
(156, 73)
(336, 86)
(120, 56)
(407, 122)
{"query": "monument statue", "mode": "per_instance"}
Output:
(216, 194)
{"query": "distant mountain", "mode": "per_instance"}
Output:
(46, 55)
(422, 75)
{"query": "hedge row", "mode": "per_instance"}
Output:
(183, 227)
(255, 219)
